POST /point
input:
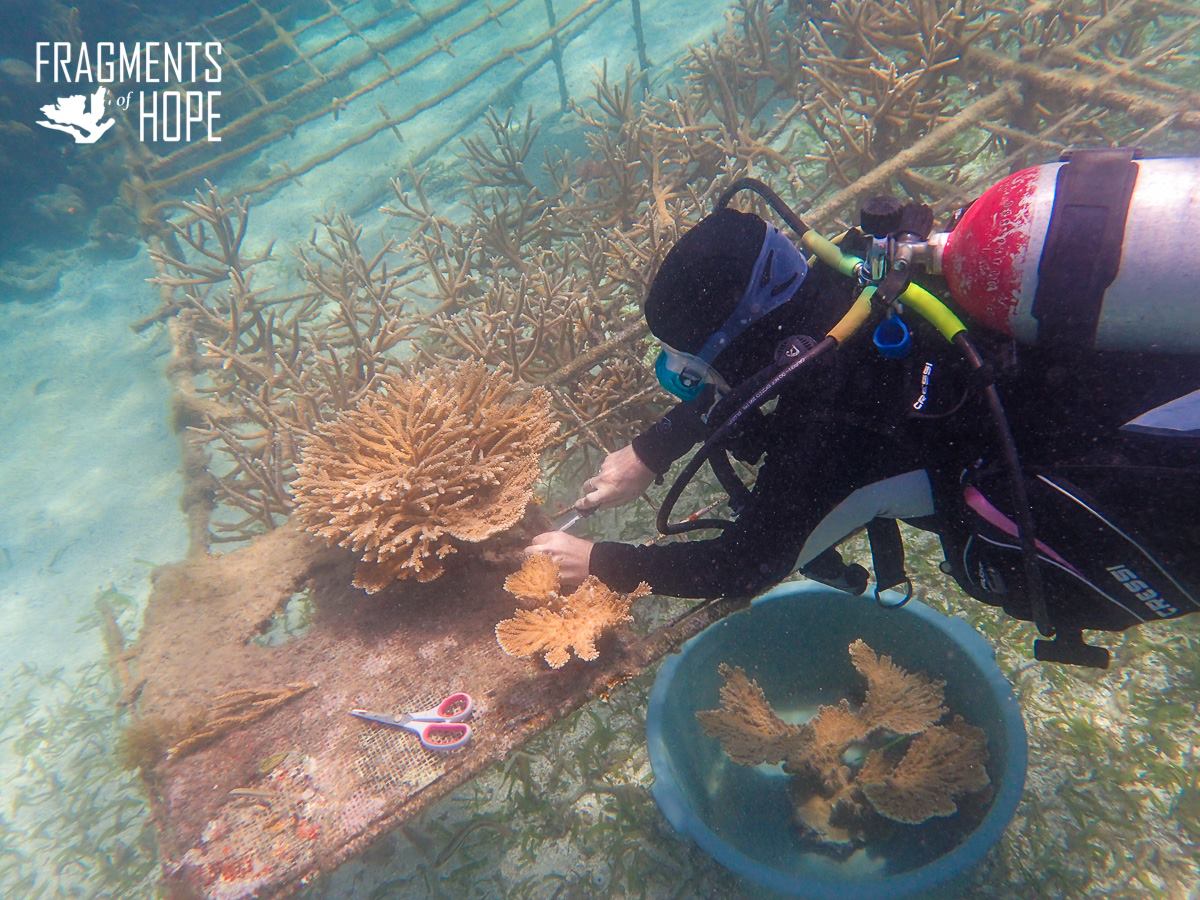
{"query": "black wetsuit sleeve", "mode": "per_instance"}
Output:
(799, 482)
(670, 438)
(681, 429)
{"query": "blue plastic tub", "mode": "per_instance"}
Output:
(793, 641)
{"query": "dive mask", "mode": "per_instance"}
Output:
(777, 273)
(685, 375)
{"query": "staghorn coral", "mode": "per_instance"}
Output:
(424, 461)
(835, 800)
(576, 624)
(891, 79)
(253, 370)
(541, 278)
(274, 360)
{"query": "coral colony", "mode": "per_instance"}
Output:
(837, 804)
(422, 461)
(542, 279)
(292, 401)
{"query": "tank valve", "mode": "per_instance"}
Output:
(925, 255)
(878, 217)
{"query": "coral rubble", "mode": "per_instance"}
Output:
(426, 460)
(835, 802)
(567, 623)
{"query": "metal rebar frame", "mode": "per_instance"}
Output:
(291, 79)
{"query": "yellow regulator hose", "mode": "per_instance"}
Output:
(933, 310)
(827, 252)
(854, 318)
(914, 297)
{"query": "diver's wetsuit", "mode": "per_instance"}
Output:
(861, 419)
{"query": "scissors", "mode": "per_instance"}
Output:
(440, 728)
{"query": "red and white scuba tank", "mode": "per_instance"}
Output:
(1097, 252)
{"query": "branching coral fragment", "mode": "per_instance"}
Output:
(585, 615)
(817, 756)
(903, 702)
(940, 765)
(748, 729)
(429, 458)
(232, 709)
(830, 796)
(536, 581)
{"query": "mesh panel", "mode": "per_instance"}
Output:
(393, 760)
(277, 799)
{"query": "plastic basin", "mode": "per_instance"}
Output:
(793, 641)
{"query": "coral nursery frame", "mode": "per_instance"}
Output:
(933, 98)
(268, 805)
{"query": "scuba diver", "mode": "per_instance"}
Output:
(1094, 525)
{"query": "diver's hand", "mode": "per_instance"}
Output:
(622, 477)
(571, 553)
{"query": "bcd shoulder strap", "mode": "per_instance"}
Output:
(1083, 244)
(887, 553)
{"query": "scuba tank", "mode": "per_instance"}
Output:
(1091, 253)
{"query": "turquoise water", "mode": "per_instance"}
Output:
(95, 473)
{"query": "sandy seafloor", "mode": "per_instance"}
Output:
(89, 468)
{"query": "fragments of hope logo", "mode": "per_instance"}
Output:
(77, 117)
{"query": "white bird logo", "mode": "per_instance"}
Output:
(70, 115)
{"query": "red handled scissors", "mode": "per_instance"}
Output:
(442, 727)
